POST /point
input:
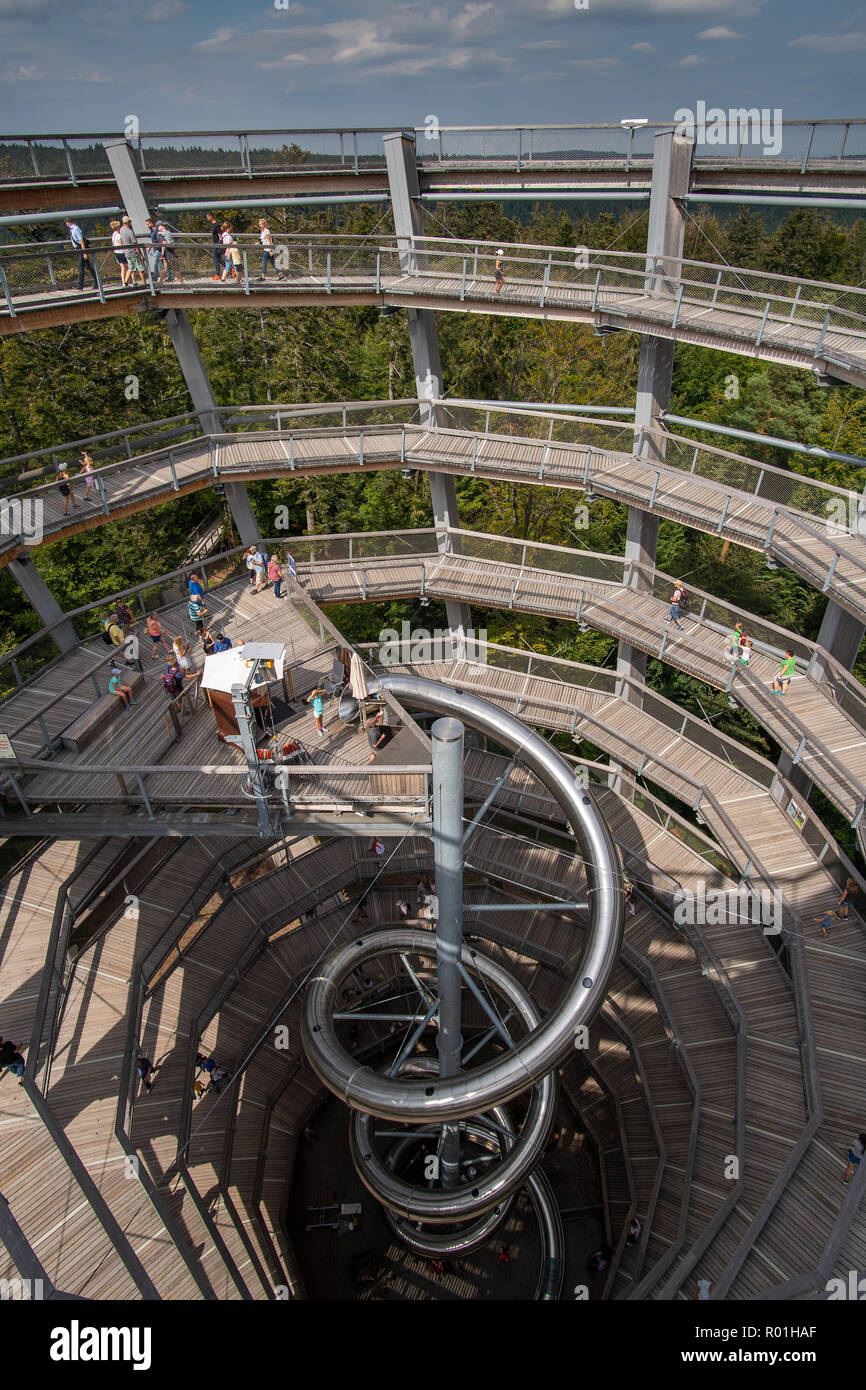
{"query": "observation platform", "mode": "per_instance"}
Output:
(161, 760)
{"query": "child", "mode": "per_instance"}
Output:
(825, 919)
(119, 687)
(318, 709)
(87, 474)
(65, 490)
(746, 650)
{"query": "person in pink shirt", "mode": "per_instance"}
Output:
(154, 627)
(275, 575)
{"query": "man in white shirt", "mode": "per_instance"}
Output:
(267, 241)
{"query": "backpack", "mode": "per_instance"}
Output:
(173, 682)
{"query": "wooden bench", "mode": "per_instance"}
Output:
(86, 726)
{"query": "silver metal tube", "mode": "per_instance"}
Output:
(467, 1202)
(542, 1050)
(446, 737)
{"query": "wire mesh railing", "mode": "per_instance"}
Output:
(741, 136)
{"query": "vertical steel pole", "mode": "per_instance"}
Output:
(447, 743)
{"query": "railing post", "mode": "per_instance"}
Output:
(652, 500)
(16, 673)
(5, 284)
(794, 303)
(291, 453)
(771, 530)
(246, 275)
(831, 571)
(99, 290)
(378, 272)
(474, 453)
(174, 482)
(463, 281)
(822, 335)
(69, 164)
(716, 290)
(139, 779)
(32, 153)
(310, 256)
(805, 164)
(51, 272)
(544, 281)
(595, 291)
(361, 448)
(519, 148)
(329, 272)
(676, 316)
(355, 148)
(403, 445)
(763, 324)
(100, 485)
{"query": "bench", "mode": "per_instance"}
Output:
(86, 726)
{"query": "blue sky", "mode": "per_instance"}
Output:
(189, 65)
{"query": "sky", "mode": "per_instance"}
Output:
(186, 65)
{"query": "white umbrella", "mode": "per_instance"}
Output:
(357, 679)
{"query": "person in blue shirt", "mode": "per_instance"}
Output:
(196, 609)
(315, 698)
(222, 643)
(79, 241)
(195, 587)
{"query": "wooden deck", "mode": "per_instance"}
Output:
(802, 540)
(145, 734)
(809, 708)
(729, 328)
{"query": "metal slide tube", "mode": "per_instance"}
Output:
(405, 1099)
(446, 738)
(466, 1202)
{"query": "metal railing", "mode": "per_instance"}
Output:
(809, 318)
(74, 159)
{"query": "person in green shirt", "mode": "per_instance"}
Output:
(119, 688)
(783, 676)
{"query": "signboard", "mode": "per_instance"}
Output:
(290, 565)
(797, 815)
(6, 749)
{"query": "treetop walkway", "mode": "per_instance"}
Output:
(810, 525)
(803, 323)
(819, 155)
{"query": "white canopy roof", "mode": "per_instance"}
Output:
(225, 669)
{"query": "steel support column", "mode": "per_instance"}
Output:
(665, 236)
(423, 334)
(37, 593)
(446, 737)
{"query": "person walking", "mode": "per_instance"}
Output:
(275, 575)
(216, 1076)
(117, 686)
(82, 247)
(195, 585)
(196, 610)
(267, 242)
(133, 255)
(855, 1153)
(674, 612)
(87, 474)
(207, 642)
(633, 1234)
(852, 897)
(145, 1069)
(258, 568)
(735, 637)
(119, 254)
(11, 1059)
(746, 650)
(153, 255)
(65, 490)
(498, 272)
(154, 628)
(217, 248)
(231, 253)
(184, 660)
(315, 698)
(782, 679)
(168, 252)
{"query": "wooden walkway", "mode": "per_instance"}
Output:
(834, 757)
(794, 342)
(802, 540)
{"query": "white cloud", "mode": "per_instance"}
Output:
(719, 31)
(166, 9)
(830, 43)
(23, 74)
(287, 58)
(217, 40)
(601, 64)
(89, 77)
(642, 48)
(693, 60)
(539, 45)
